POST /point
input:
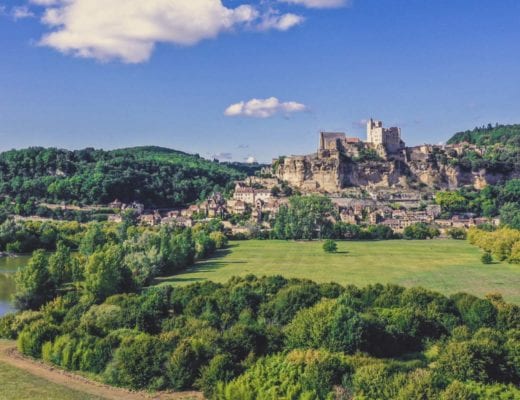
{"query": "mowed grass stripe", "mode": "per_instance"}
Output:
(447, 266)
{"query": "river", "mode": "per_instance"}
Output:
(8, 266)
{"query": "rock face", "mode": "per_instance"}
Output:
(330, 172)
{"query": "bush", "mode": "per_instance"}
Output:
(486, 258)
(220, 369)
(420, 231)
(301, 374)
(330, 246)
(32, 338)
(457, 233)
(340, 328)
(138, 363)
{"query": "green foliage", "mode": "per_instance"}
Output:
(420, 231)
(221, 368)
(155, 176)
(330, 246)
(451, 201)
(503, 244)
(138, 363)
(31, 339)
(340, 328)
(486, 258)
(106, 274)
(34, 283)
(298, 375)
(306, 217)
(510, 215)
(457, 233)
(489, 135)
(270, 337)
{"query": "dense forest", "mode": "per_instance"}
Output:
(154, 176)
(502, 149)
(274, 338)
(508, 135)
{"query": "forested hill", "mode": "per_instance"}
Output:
(155, 176)
(508, 135)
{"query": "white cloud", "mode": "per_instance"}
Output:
(128, 30)
(263, 108)
(250, 160)
(319, 3)
(284, 22)
(22, 12)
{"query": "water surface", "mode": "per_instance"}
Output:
(8, 266)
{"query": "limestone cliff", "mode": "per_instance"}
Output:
(333, 171)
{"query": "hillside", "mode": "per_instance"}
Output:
(508, 135)
(155, 176)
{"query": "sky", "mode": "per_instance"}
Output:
(252, 80)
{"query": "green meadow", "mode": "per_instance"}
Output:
(447, 266)
(17, 384)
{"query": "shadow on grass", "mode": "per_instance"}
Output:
(209, 265)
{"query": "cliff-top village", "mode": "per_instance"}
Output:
(379, 181)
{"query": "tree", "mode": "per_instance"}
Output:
(60, 267)
(510, 215)
(486, 258)
(420, 231)
(34, 284)
(106, 274)
(138, 363)
(451, 201)
(457, 233)
(330, 246)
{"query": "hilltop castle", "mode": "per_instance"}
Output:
(383, 140)
(381, 161)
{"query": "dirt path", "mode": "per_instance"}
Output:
(10, 356)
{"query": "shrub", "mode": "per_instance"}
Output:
(32, 338)
(340, 328)
(219, 238)
(330, 246)
(138, 363)
(301, 374)
(457, 233)
(486, 258)
(220, 369)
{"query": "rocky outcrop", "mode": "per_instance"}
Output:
(330, 173)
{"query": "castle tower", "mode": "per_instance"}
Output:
(375, 132)
(390, 138)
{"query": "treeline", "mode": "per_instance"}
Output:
(503, 244)
(102, 260)
(501, 153)
(154, 176)
(315, 217)
(508, 135)
(271, 337)
(491, 201)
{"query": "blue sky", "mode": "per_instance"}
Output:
(71, 77)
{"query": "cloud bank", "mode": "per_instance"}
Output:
(263, 108)
(129, 30)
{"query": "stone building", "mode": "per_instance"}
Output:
(336, 141)
(389, 138)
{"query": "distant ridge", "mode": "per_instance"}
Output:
(152, 175)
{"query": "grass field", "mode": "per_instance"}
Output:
(17, 384)
(447, 266)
